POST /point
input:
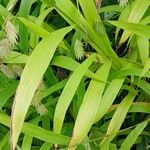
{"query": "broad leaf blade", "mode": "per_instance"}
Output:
(108, 97)
(37, 132)
(31, 77)
(89, 106)
(68, 93)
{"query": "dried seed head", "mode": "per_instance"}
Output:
(41, 109)
(37, 96)
(123, 3)
(11, 32)
(4, 48)
(17, 69)
(36, 99)
(7, 71)
(78, 50)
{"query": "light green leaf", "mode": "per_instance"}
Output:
(143, 45)
(111, 8)
(27, 140)
(31, 77)
(131, 138)
(16, 58)
(70, 64)
(89, 106)
(144, 86)
(46, 146)
(139, 29)
(140, 107)
(37, 29)
(135, 15)
(120, 113)
(68, 93)
(108, 98)
(37, 132)
(90, 11)
(99, 42)
(118, 118)
(146, 67)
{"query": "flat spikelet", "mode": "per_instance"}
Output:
(41, 109)
(78, 49)
(17, 70)
(7, 71)
(123, 3)
(4, 48)
(11, 32)
(36, 101)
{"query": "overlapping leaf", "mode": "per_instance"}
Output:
(31, 77)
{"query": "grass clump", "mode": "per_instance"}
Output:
(74, 74)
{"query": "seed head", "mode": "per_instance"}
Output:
(7, 71)
(4, 48)
(78, 49)
(11, 32)
(123, 3)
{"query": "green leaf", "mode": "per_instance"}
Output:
(144, 86)
(138, 10)
(89, 106)
(137, 107)
(131, 138)
(146, 67)
(37, 132)
(139, 29)
(27, 140)
(111, 8)
(118, 118)
(143, 45)
(68, 93)
(24, 11)
(120, 113)
(31, 77)
(129, 72)
(46, 146)
(108, 97)
(90, 11)
(16, 58)
(37, 29)
(100, 42)
(70, 64)
(5, 140)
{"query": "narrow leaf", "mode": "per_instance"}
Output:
(108, 98)
(135, 15)
(30, 79)
(139, 29)
(131, 138)
(89, 106)
(37, 132)
(143, 46)
(68, 93)
(118, 118)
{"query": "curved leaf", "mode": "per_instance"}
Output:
(68, 93)
(89, 106)
(31, 77)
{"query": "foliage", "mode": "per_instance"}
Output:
(74, 74)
